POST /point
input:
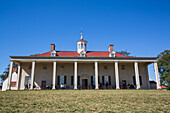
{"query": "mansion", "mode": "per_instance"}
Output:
(81, 69)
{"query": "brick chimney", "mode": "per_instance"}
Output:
(52, 47)
(110, 48)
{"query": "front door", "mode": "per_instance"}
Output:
(84, 83)
(43, 85)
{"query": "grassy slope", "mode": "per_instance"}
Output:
(85, 101)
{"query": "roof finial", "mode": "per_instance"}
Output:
(81, 33)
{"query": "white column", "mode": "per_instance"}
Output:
(75, 75)
(117, 75)
(32, 74)
(137, 75)
(18, 77)
(157, 75)
(10, 75)
(54, 74)
(96, 76)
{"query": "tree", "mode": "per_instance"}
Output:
(6, 72)
(124, 53)
(164, 67)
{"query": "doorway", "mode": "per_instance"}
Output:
(84, 83)
(43, 85)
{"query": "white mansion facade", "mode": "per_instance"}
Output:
(81, 69)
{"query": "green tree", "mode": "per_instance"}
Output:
(4, 75)
(164, 67)
(124, 53)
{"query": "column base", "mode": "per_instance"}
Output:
(138, 88)
(75, 88)
(53, 88)
(118, 88)
(97, 88)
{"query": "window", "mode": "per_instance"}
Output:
(52, 54)
(44, 66)
(112, 54)
(105, 67)
(92, 80)
(82, 54)
(62, 68)
(106, 80)
(81, 45)
(72, 80)
(85, 46)
(78, 46)
(27, 81)
(134, 80)
(62, 80)
(122, 67)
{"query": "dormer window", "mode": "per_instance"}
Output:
(53, 53)
(82, 54)
(112, 54)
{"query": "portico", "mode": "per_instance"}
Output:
(82, 68)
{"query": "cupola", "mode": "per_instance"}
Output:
(82, 46)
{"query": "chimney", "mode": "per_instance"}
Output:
(110, 48)
(52, 47)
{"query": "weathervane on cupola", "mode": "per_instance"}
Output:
(82, 45)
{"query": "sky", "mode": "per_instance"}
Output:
(141, 27)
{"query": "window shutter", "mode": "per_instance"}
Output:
(91, 80)
(78, 80)
(103, 80)
(72, 78)
(134, 81)
(99, 79)
(58, 80)
(65, 79)
(109, 80)
(140, 78)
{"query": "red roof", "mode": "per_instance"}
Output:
(88, 54)
(82, 41)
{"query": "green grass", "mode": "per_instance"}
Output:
(85, 101)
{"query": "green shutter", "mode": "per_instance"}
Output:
(91, 80)
(72, 79)
(134, 81)
(103, 80)
(58, 80)
(140, 78)
(65, 79)
(109, 80)
(78, 80)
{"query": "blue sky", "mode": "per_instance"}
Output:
(142, 27)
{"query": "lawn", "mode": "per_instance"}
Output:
(85, 101)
